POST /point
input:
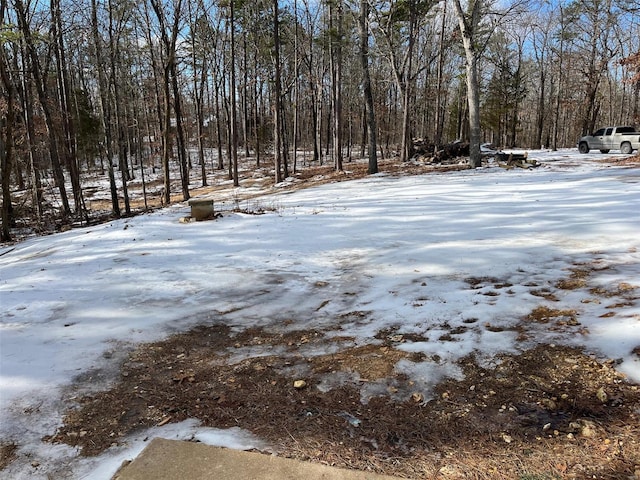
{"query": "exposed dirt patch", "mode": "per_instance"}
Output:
(544, 293)
(577, 279)
(370, 362)
(545, 314)
(627, 162)
(481, 282)
(622, 289)
(550, 411)
(7, 454)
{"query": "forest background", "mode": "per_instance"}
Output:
(122, 88)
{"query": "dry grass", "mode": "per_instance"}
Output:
(220, 188)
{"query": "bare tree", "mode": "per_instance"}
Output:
(45, 102)
(477, 20)
(559, 54)
(366, 87)
(169, 38)
(440, 90)
(25, 91)
(592, 24)
(105, 102)
(541, 43)
(7, 121)
(200, 33)
(401, 44)
(277, 95)
(335, 58)
(65, 103)
(469, 21)
(233, 121)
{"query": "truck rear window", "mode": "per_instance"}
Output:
(626, 130)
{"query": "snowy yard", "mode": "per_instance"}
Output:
(436, 267)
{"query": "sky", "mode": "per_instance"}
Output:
(401, 249)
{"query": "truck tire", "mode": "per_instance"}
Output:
(583, 147)
(604, 150)
(626, 148)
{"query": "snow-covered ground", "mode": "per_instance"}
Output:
(401, 249)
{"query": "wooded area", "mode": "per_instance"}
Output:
(186, 87)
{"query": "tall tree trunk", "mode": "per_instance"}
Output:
(284, 139)
(157, 97)
(6, 143)
(64, 98)
(540, 115)
(45, 102)
(137, 107)
(227, 123)
(315, 84)
(516, 102)
(335, 57)
(245, 94)
(199, 82)
(363, 125)
(114, 56)
(468, 23)
(295, 87)
(166, 135)
(105, 102)
(200, 126)
(256, 111)
(181, 141)
(232, 93)
(218, 125)
(560, 81)
(6, 153)
(473, 99)
(406, 88)
(277, 94)
(317, 123)
(441, 94)
(169, 39)
(27, 109)
(635, 114)
(366, 87)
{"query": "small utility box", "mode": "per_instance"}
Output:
(201, 209)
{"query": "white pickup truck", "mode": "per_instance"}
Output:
(625, 139)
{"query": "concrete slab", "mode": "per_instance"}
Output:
(176, 460)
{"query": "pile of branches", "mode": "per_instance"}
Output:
(424, 151)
